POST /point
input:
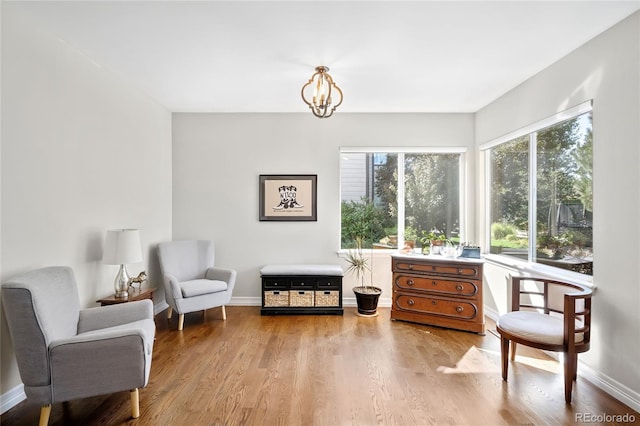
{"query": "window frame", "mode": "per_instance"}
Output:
(401, 151)
(530, 265)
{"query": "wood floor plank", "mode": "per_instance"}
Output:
(333, 371)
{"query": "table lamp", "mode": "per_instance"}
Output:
(122, 246)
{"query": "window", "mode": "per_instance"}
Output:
(390, 199)
(540, 194)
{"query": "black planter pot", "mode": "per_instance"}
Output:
(367, 300)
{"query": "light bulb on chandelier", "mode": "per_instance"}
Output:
(321, 94)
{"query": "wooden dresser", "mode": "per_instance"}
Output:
(438, 291)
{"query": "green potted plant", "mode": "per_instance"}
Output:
(366, 295)
(362, 224)
(433, 240)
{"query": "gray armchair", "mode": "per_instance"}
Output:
(66, 353)
(191, 281)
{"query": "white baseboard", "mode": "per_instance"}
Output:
(12, 398)
(245, 301)
(491, 313)
(159, 307)
(614, 388)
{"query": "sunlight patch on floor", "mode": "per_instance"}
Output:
(550, 365)
(473, 361)
(478, 360)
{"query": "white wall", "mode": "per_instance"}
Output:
(607, 70)
(217, 159)
(81, 152)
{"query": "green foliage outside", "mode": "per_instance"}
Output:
(361, 221)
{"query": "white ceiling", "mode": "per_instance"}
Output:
(386, 56)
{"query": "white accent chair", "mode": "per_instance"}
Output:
(66, 353)
(549, 315)
(191, 281)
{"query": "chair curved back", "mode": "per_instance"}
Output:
(186, 260)
(40, 306)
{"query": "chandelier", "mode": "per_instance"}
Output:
(326, 96)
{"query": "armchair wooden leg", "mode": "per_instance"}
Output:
(135, 403)
(169, 312)
(180, 322)
(504, 357)
(224, 313)
(513, 351)
(45, 412)
(569, 372)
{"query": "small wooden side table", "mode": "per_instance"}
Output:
(139, 294)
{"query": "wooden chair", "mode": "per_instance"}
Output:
(550, 315)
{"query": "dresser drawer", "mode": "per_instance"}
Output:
(436, 285)
(436, 268)
(457, 309)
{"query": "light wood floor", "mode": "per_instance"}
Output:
(332, 370)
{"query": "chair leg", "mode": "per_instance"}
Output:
(180, 322)
(224, 313)
(504, 356)
(169, 312)
(135, 403)
(569, 369)
(45, 412)
(513, 350)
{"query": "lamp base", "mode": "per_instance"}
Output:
(121, 283)
(122, 295)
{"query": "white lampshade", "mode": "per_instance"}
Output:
(122, 246)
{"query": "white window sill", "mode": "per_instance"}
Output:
(531, 268)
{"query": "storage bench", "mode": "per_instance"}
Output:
(301, 289)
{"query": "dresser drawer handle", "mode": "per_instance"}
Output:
(459, 309)
(434, 283)
(410, 302)
(433, 302)
(410, 282)
(459, 287)
(410, 266)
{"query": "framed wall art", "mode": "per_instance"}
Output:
(288, 197)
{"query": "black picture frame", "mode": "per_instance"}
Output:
(288, 198)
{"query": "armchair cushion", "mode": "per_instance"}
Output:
(199, 287)
(536, 327)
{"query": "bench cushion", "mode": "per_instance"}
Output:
(315, 270)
